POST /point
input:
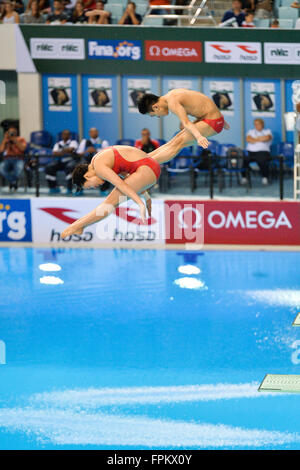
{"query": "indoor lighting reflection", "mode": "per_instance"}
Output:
(50, 267)
(51, 280)
(189, 283)
(189, 269)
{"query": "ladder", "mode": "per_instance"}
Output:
(192, 12)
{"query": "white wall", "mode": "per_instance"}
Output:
(30, 103)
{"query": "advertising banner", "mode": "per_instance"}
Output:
(178, 51)
(100, 95)
(115, 49)
(233, 222)
(282, 53)
(222, 93)
(60, 103)
(52, 215)
(59, 94)
(233, 52)
(15, 220)
(263, 99)
(54, 48)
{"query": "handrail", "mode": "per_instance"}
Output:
(187, 8)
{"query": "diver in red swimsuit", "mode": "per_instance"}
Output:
(182, 102)
(141, 173)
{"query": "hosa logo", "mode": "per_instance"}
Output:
(116, 50)
(233, 52)
(49, 48)
(15, 220)
(178, 51)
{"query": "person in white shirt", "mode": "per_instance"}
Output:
(259, 142)
(87, 148)
(92, 145)
(65, 149)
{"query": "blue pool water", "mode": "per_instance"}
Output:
(124, 349)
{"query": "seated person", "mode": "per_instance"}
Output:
(248, 22)
(146, 143)
(9, 15)
(66, 149)
(259, 141)
(295, 4)
(44, 6)
(236, 12)
(263, 9)
(91, 145)
(130, 16)
(34, 16)
(79, 15)
(58, 15)
(98, 15)
(12, 148)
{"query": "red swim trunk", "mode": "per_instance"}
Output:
(216, 124)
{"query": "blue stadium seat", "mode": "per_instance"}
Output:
(161, 141)
(213, 146)
(288, 13)
(262, 23)
(41, 139)
(129, 142)
(116, 10)
(223, 149)
(285, 3)
(153, 22)
(286, 24)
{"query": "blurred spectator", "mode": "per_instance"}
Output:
(9, 15)
(93, 144)
(66, 150)
(259, 141)
(146, 143)
(58, 15)
(12, 148)
(263, 9)
(296, 4)
(130, 16)
(79, 15)
(248, 22)
(18, 6)
(98, 15)
(34, 16)
(69, 4)
(89, 4)
(236, 12)
(274, 24)
(44, 6)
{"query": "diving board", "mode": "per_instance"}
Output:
(280, 383)
(297, 320)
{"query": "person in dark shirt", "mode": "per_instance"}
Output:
(146, 143)
(78, 15)
(130, 16)
(236, 13)
(58, 15)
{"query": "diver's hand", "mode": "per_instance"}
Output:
(71, 230)
(203, 142)
(226, 126)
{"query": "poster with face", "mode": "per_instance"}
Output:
(263, 99)
(59, 94)
(100, 95)
(222, 93)
(136, 88)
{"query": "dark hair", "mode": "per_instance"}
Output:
(78, 175)
(146, 102)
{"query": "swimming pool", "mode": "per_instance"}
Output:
(133, 349)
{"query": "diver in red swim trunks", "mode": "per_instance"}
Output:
(140, 170)
(182, 102)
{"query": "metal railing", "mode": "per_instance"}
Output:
(193, 12)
